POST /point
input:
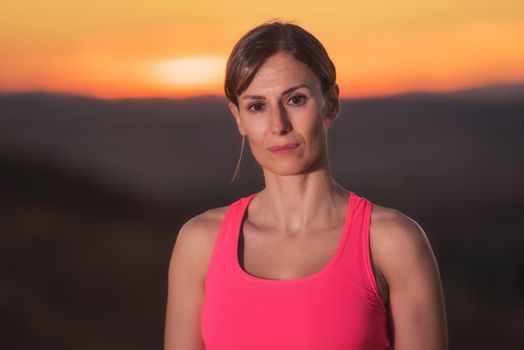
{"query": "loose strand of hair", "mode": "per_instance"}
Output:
(239, 160)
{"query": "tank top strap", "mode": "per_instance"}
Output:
(224, 248)
(234, 221)
(357, 256)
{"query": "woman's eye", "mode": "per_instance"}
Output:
(251, 108)
(297, 98)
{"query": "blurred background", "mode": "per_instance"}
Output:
(114, 131)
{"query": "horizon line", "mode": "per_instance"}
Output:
(494, 85)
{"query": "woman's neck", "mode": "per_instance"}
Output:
(299, 203)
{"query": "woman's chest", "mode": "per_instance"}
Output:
(280, 256)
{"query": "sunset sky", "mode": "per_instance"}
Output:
(157, 48)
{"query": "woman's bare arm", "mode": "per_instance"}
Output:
(405, 258)
(186, 279)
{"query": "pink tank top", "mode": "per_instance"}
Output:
(336, 308)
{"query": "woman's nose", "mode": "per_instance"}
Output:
(280, 121)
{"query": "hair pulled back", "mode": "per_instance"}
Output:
(267, 39)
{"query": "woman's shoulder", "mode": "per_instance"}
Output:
(391, 228)
(203, 226)
(398, 243)
(195, 241)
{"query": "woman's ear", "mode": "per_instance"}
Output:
(333, 102)
(236, 115)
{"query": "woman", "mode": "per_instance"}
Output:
(304, 263)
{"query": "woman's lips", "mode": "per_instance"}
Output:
(282, 149)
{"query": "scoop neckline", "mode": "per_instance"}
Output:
(341, 243)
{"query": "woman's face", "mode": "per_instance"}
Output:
(284, 105)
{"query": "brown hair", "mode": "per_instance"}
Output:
(267, 39)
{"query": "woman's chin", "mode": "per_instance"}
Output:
(287, 168)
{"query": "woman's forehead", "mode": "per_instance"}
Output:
(281, 72)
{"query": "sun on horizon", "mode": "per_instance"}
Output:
(189, 72)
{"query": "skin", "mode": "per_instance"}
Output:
(292, 226)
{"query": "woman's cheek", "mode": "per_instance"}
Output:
(256, 146)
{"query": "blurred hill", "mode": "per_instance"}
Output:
(94, 192)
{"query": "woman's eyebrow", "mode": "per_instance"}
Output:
(287, 91)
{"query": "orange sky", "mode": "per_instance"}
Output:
(117, 48)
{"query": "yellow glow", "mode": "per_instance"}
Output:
(189, 72)
(124, 48)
